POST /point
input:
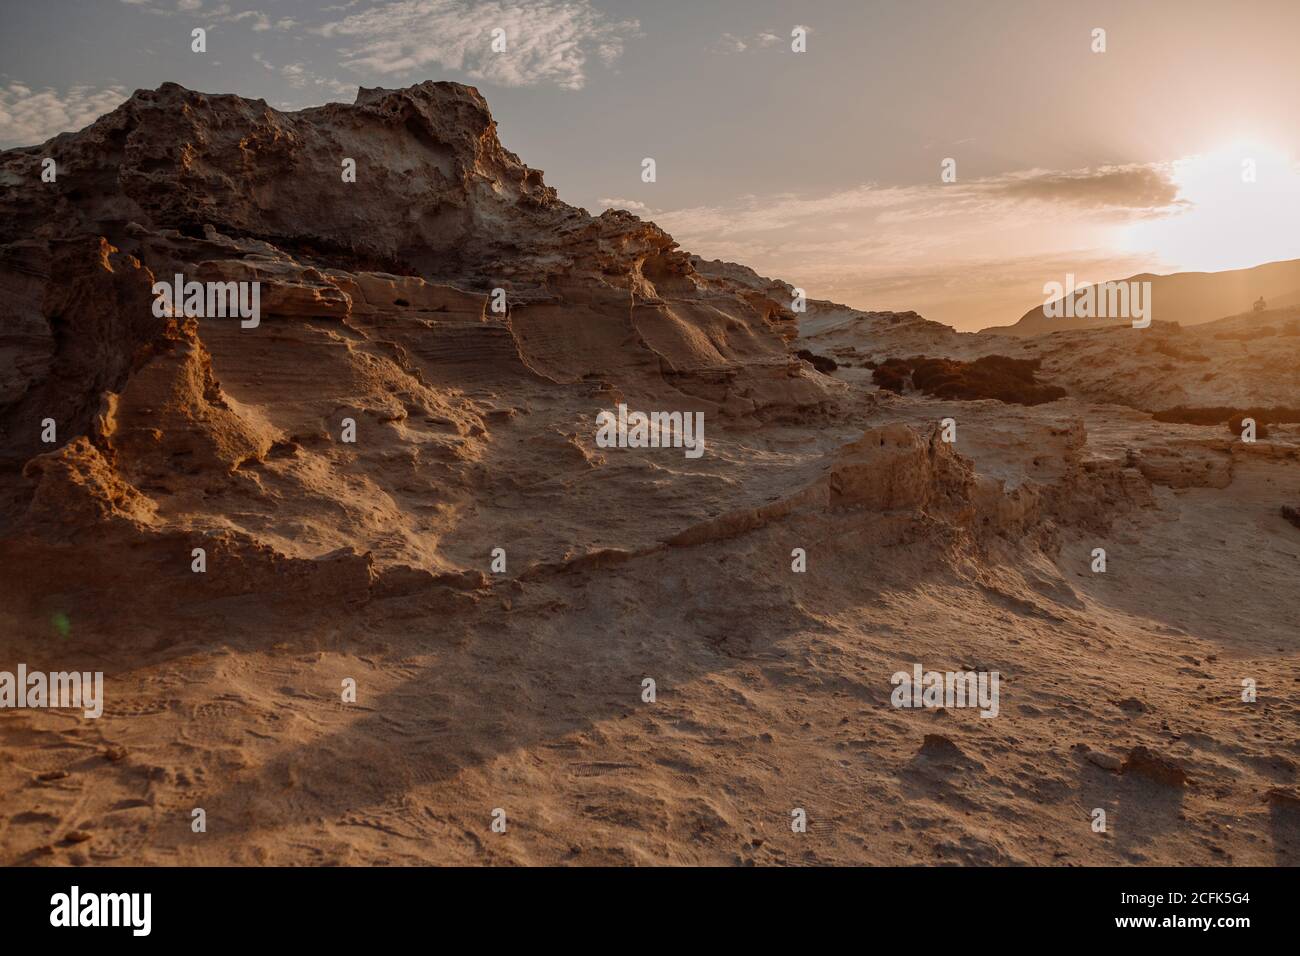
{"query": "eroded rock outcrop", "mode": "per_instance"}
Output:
(446, 291)
(434, 341)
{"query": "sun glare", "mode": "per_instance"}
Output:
(1240, 208)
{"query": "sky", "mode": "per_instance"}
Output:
(1175, 148)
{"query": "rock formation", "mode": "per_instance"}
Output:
(393, 477)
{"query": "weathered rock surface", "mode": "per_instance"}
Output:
(498, 584)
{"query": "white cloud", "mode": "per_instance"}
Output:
(258, 21)
(170, 10)
(300, 77)
(631, 205)
(1115, 193)
(732, 43)
(547, 41)
(890, 246)
(295, 73)
(28, 117)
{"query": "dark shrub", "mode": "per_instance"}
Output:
(992, 376)
(892, 374)
(822, 363)
(1235, 423)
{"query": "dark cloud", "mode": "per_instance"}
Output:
(1128, 187)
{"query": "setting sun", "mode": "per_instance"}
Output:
(1239, 207)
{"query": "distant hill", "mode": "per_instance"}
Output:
(1188, 298)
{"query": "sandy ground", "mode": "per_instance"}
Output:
(773, 694)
